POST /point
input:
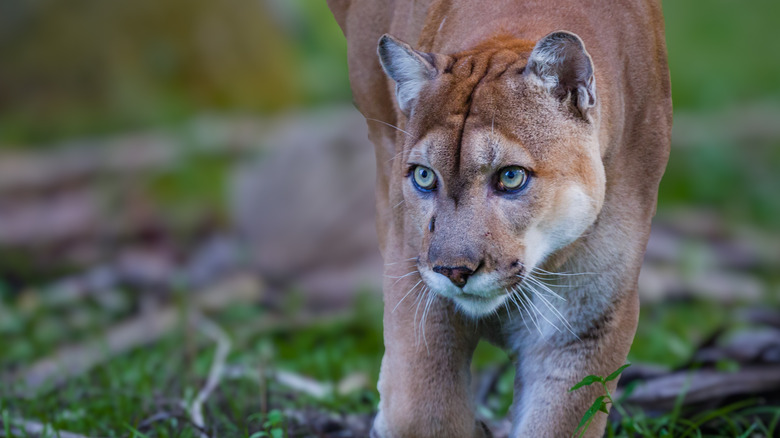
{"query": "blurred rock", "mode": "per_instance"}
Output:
(306, 207)
(55, 218)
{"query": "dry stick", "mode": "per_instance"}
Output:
(215, 373)
(293, 381)
(77, 359)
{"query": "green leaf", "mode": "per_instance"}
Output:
(275, 417)
(7, 423)
(588, 417)
(136, 432)
(277, 433)
(260, 434)
(603, 408)
(616, 373)
(588, 380)
(749, 431)
(255, 417)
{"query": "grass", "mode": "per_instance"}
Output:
(140, 393)
(738, 419)
(122, 395)
(717, 59)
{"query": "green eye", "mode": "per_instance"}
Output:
(424, 178)
(512, 178)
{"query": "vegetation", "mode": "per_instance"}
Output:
(100, 69)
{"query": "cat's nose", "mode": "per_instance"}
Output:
(458, 275)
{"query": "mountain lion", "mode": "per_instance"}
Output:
(519, 149)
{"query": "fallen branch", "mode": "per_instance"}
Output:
(215, 373)
(660, 394)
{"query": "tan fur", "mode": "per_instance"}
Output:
(587, 209)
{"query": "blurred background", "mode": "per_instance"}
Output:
(187, 244)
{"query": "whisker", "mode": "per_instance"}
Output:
(399, 204)
(422, 316)
(419, 301)
(394, 156)
(431, 298)
(539, 312)
(506, 305)
(523, 300)
(407, 294)
(522, 317)
(514, 298)
(544, 287)
(401, 261)
(562, 274)
(559, 315)
(545, 281)
(402, 276)
(390, 125)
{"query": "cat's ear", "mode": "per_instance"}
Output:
(409, 68)
(565, 68)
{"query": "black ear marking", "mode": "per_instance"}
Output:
(432, 224)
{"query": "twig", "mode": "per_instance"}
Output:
(303, 384)
(163, 415)
(77, 359)
(297, 382)
(215, 373)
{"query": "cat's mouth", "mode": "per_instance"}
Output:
(477, 305)
(480, 296)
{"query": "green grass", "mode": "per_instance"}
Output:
(124, 395)
(720, 57)
(738, 419)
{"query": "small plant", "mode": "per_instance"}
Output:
(273, 426)
(600, 404)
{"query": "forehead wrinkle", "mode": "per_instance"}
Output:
(451, 102)
(481, 151)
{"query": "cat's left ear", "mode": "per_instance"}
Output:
(565, 68)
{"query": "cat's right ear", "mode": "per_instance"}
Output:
(409, 68)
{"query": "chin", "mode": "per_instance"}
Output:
(476, 306)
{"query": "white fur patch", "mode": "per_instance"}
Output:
(478, 298)
(575, 216)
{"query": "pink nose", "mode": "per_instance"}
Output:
(458, 275)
